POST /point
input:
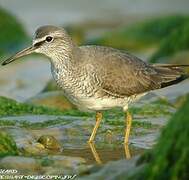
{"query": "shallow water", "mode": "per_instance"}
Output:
(73, 132)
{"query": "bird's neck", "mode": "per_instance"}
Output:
(66, 58)
(64, 64)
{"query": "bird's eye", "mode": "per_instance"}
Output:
(49, 38)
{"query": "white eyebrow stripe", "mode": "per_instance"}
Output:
(35, 41)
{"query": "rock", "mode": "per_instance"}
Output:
(21, 136)
(53, 99)
(7, 145)
(59, 164)
(113, 170)
(20, 163)
(49, 142)
(170, 155)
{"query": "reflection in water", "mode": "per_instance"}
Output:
(95, 153)
(127, 151)
(101, 155)
(97, 157)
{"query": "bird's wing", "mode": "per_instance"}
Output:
(126, 75)
(121, 74)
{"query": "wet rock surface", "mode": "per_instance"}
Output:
(21, 163)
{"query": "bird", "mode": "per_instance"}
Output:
(97, 78)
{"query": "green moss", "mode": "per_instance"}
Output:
(7, 145)
(141, 35)
(172, 151)
(169, 158)
(153, 109)
(9, 107)
(12, 107)
(12, 33)
(174, 42)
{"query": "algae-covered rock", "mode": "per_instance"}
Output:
(12, 33)
(170, 156)
(175, 41)
(141, 35)
(7, 145)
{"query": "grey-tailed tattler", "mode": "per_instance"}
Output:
(97, 78)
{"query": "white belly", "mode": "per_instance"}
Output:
(97, 104)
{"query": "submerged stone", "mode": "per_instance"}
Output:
(50, 142)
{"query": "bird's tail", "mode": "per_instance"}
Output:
(171, 73)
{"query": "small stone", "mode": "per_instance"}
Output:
(49, 142)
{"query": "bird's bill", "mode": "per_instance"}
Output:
(19, 54)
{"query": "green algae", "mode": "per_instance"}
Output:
(170, 156)
(7, 145)
(9, 107)
(153, 109)
(174, 42)
(141, 35)
(12, 107)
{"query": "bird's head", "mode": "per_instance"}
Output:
(48, 40)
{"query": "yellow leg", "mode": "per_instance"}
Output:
(98, 120)
(95, 153)
(128, 119)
